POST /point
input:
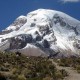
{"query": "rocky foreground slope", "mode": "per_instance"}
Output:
(43, 32)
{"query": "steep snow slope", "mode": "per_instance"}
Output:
(51, 31)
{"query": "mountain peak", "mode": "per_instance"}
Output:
(50, 31)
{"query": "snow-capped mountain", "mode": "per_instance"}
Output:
(43, 32)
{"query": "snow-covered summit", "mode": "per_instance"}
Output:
(51, 31)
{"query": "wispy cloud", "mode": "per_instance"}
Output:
(64, 1)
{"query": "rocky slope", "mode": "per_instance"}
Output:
(43, 32)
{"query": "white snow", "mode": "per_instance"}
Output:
(29, 46)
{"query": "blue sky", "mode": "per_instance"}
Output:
(11, 9)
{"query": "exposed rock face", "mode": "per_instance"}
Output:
(37, 36)
(20, 41)
(46, 44)
(49, 32)
(60, 20)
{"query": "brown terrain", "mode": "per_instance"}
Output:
(73, 75)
